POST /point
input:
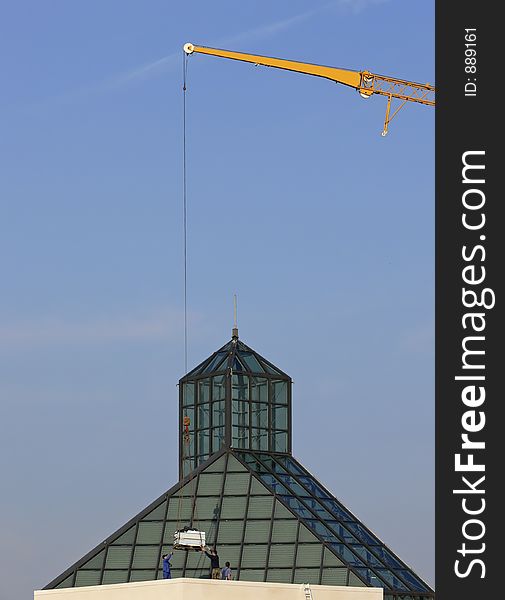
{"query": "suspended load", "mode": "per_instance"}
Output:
(189, 539)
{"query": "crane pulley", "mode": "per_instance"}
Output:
(364, 82)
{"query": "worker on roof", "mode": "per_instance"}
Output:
(166, 566)
(226, 571)
(215, 571)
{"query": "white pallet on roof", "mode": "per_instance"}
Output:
(189, 539)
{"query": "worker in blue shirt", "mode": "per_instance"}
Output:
(166, 566)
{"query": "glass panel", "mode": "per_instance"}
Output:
(115, 577)
(209, 484)
(387, 558)
(240, 437)
(240, 387)
(259, 439)
(142, 575)
(279, 417)
(279, 392)
(189, 411)
(118, 557)
(203, 442)
(149, 532)
(252, 575)
(281, 555)
(361, 533)
(339, 512)
(158, 514)
(230, 532)
(96, 562)
(385, 576)
(145, 557)
(347, 555)
(87, 578)
(279, 575)
(250, 361)
(237, 483)
(274, 484)
(259, 389)
(260, 507)
(234, 464)
(269, 368)
(217, 465)
(215, 362)
(284, 531)
(336, 576)
(254, 556)
(203, 415)
(306, 576)
(305, 535)
(330, 560)
(203, 391)
(257, 531)
(294, 486)
(188, 394)
(218, 415)
(67, 583)
(240, 413)
(367, 556)
(279, 441)
(219, 388)
(354, 580)
(300, 510)
(412, 580)
(342, 532)
(309, 555)
(233, 507)
(207, 508)
(237, 365)
(217, 438)
(259, 415)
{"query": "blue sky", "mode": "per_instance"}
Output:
(322, 227)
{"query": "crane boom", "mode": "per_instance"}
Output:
(364, 82)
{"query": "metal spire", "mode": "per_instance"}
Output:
(234, 331)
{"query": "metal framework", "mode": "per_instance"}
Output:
(267, 514)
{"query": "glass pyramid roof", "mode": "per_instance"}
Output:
(268, 516)
(238, 357)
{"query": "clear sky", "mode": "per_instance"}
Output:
(322, 227)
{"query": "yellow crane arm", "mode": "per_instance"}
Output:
(364, 82)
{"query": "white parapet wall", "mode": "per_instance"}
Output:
(193, 589)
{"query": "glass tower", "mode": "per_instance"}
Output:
(239, 482)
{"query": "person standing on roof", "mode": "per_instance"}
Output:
(226, 571)
(166, 566)
(215, 571)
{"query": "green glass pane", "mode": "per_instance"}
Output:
(198, 573)
(217, 438)
(258, 488)
(149, 532)
(240, 387)
(203, 441)
(309, 555)
(281, 512)
(257, 532)
(237, 483)
(234, 464)
(334, 576)
(142, 575)
(259, 439)
(203, 416)
(260, 507)
(254, 557)
(284, 531)
(218, 388)
(231, 554)
(181, 508)
(188, 464)
(210, 484)
(118, 557)
(115, 577)
(354, 580)
(282, 555)
(240, 437)
(259, 415)
(212, 366)
(145, 557)
(218, 414)
(204, 391)
(234, 507)
(279, 392)
(188, 394)
(96, 562)
(306, 576)
(217, 466)
(197, 560)
(259, 389)
(207, 508)
(87, 578)
(305, 535)
(240, 413)
(279, 417)
(126, 538)
(251, 362)
(279, 441)
(279, 575)
(66, 583)
(330, 560)
(230, 532)
(157, 514)
(252, 575)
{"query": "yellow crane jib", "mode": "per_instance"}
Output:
(364, 82)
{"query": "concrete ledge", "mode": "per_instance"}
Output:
(189, 589)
